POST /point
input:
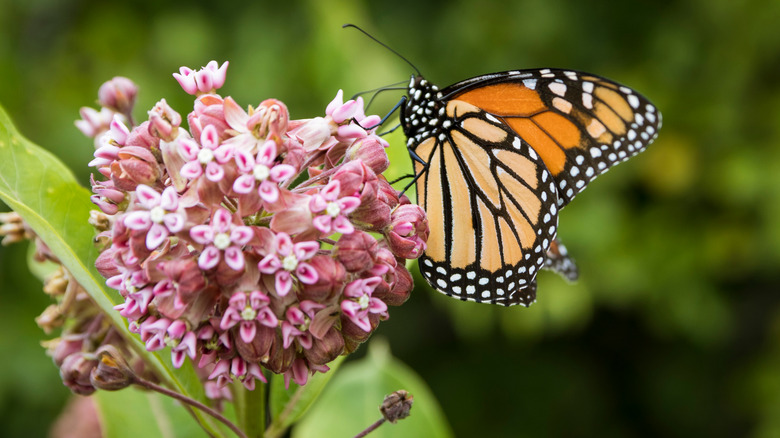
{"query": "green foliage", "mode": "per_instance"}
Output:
(288, 405)
(132, 413)
(351, 402)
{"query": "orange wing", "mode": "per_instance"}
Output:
(491, 208)
(580, 124)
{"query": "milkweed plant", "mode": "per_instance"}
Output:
(239, 251)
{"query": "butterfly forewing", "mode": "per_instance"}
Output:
(491, 208)
(580, 124)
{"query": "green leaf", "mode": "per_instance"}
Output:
(351, 402)
(133, 413)
(44, 192)
(288, 405)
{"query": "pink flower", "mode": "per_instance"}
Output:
(408, 231)
(94, 123)
(335, 209)
(296, 324)
(360, 302)
(247, 311)
(159, 216)
(268, 121)
(287, 258)
(207, 159)
(261, 171)
(206, 80)
(110, 143)
(220, 237)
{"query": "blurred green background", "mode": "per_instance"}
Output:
(674, 326)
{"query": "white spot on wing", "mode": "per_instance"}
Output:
(558, 88)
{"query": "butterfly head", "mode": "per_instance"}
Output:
(423, 111)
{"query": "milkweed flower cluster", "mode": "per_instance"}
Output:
(249, 241)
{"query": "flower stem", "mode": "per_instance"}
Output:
(194, 403)
(253, 418)
(371, 428)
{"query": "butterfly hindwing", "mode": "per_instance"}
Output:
(491, 208)
(558, 261)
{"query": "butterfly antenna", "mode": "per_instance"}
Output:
(393, 86)
(383, 45)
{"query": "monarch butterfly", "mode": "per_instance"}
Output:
(498, 156)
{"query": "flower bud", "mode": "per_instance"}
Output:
(141, 137)
(371, 152)
(118, 94)
(356, 251)
(75, 373)
(402, 288)
(279, 358)
(330, 281)
(276, 117)
(353, 334)
(61, 348)
(106, 263)
(164, 121)
(135, 165)
(408, 231)
(209, 110)
(353, 176)
(258, 349)
(326, 349)
(396, 406)
(112, 372)
(51, 319)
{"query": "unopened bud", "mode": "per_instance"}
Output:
(355, 251)
(12, 228)
(75, 371)
(397, 405)
(112, 371)
(371, 152)
(118, 94)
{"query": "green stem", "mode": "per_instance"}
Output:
(250, 408)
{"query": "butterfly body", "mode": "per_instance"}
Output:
(497, 156)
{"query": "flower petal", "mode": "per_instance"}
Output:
(208, 258)
(202, 234)
(234, 258)
(247, 331)
(138, 220)
(147, 196)
(156, 236)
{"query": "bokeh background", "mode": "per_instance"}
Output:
(673, 328)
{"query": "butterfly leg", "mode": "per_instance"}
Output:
(558, 261)
(416, 158)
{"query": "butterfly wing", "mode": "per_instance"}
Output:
(491, 206)
(558, 261)
(579, 123)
